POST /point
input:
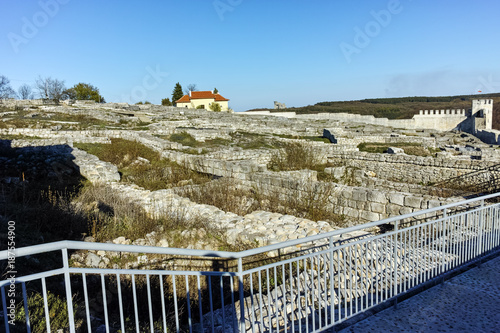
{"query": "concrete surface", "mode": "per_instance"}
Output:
(469, 302)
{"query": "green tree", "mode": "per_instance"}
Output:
(85, 91)
(216, 91)
(215, 107)
(177, 93)
(166, 102)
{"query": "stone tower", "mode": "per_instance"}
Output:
(482, 114)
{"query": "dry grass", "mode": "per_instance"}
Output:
(294, 156)
(154, 175)
(223, 193)
(311, 202)
(415, 149)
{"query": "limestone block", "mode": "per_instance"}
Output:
(347, 193)
(393, 209)
(396, 198)
(162, 243)
(359, 194)
(119, 240)
(92, 260)
(434, 203)
(370, 216)
(377, 207)
(362, 205)
(414, 202)
(405, 210)
(376, 196)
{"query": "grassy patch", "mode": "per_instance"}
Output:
(312, 202)
(308, 138)
(154, 175)
(185, 139)
(246, 140)
(26, 119)
(415, 149)
(294, 156)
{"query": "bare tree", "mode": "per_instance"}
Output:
(50, 88)
(190, 87)
(25, 92)
(6, 90)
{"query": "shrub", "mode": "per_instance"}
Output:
(216, 107)
(417, 151)
(222, 193)
(311, 202)
(184, 138)
(158, 174)
(294, 156)
(58, 313)
(409, 148)
(120, 152)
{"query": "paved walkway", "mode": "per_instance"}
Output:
(469, 302)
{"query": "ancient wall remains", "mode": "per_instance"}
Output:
(409, 168)
(358, 204)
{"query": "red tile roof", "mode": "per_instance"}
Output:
(183, 99)
(220, 98)
(201, 95)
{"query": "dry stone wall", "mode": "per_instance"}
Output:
(358, 204)
(408, 168)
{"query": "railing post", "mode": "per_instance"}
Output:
(5, 311)
(69, 294)
(396, 229)
(240, 287)
(443, 242)
(480, 232)
(332, 284)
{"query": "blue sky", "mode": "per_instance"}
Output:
(255, 51)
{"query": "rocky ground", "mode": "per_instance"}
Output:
(38, 145)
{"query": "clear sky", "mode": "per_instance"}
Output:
(255, 51)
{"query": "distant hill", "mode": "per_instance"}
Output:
(398, 108)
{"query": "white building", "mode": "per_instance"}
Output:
(202, 99)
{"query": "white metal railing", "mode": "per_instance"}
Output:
(305, 285)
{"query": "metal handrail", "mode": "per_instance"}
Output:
(79, 245)
(313, 288)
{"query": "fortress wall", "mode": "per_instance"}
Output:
(408, 168)
(489, 136)
(442, 120)
(390, 186)
(355, 141)
(358, 204)
(23, 102)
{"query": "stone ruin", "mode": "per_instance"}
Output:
(279, 106)
(368, 186)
